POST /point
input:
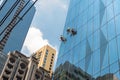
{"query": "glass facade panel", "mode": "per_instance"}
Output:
(22, 26)
(95, 48)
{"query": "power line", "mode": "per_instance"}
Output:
(14, 17)
(11, 26)
(9, 12)
(3, 4)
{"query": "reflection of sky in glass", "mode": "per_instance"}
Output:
(1, 2)
(96, 47)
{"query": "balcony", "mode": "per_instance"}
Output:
(22, 65)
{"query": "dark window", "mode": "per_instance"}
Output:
(18, 78)
(22, 65)
(46, 51)
(20, 71)
(5, 78)
(44, 65)
(51, 62)
(51, 59)
(44, 61)
(10, 66)
(52, 56)
(37, 76)
(45, 56)
(50, 65)
(7, 72)
(49, 68)
(12, 60)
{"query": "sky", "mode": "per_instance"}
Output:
(47, 25)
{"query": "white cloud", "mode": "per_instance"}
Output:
(34, 41)
(51, 14)
(47, 12)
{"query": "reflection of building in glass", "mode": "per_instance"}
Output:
(3, 59)
(108, 77)
(75, 73)
(18, 34)
(20, 67)
(46, 56)
(95, 48)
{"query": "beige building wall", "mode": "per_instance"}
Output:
(20, 67)
(46, 57)
(15, 67)
(32, 67)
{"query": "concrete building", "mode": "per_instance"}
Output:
(3, 58)
(75, 73)
(15, 67)
(18, 34)
(20, 67)
(46, 57)
(109, 76)
(91, 37)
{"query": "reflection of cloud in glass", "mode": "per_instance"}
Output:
(1, 2)
(95, 48)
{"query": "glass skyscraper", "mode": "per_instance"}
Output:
(18, 34)
(95, 48)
